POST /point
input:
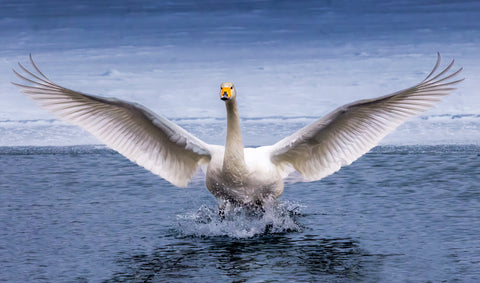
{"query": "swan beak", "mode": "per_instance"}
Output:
(226, 93)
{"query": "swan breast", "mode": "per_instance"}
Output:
(263, 180)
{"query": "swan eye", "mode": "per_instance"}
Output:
(231, 87)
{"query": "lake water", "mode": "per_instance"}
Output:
(72, 211)
(85, 213)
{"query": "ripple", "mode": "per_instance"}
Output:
(280, 257)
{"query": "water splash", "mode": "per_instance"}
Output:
(240, 222)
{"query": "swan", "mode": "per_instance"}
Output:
(234, 174)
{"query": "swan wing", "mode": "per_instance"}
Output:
(145, 138)
(350, 131)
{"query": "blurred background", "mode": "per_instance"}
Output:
(292, 62)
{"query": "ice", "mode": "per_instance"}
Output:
(287, 61)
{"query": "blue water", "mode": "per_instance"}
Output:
(286, 59)
(71, 213)
(84, 213)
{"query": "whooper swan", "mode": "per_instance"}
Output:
(243, 176)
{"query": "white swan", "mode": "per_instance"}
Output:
(245, 176)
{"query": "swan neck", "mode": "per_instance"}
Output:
(233, 161)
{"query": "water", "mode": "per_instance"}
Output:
(84, 213)
(407, 211)
(286, 59)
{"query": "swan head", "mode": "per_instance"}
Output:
(227, 91)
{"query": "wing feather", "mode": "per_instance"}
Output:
(148, 139)
(350, 131)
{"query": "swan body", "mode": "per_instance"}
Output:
(234, 174)
(259, 181)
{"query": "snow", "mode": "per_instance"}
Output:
(290, 62)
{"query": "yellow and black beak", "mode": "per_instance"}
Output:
(226, 93)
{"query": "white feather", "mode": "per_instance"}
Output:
(143, 137)
(242, 175)
(350, 131)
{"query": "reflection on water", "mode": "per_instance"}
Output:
(268, 257)
(243, 245)
(399, 214)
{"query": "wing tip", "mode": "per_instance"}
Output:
(434, 78)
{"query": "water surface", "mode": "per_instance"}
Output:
(85, 213)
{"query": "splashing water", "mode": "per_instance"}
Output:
(241, 222)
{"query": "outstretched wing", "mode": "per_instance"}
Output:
(350, 131)
(148, 139)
